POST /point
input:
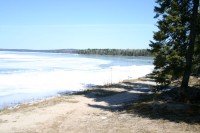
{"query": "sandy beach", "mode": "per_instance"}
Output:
(99, 110)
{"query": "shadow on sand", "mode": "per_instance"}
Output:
(138, 99)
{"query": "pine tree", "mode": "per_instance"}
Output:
(174, 42)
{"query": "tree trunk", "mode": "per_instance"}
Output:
(190, 51)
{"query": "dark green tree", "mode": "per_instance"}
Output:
(191, 45)
(174, 42)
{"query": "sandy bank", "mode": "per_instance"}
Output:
(98, 110)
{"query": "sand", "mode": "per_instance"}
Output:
(88, 113)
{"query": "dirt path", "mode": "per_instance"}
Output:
(86, 114)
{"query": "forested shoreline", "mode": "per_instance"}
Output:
(113, 52)
(119, 52)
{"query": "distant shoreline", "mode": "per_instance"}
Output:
(111, 52)
(44, 51)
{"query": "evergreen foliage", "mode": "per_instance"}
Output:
(121, 52)
(172, 45)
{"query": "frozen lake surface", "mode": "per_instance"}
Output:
(30, 76)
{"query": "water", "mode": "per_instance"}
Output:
(26, 77)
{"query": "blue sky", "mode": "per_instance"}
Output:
(56, 24)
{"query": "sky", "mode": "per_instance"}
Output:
(78, 24)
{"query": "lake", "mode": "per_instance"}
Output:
(27, 76)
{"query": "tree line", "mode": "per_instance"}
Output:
(119, 52)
